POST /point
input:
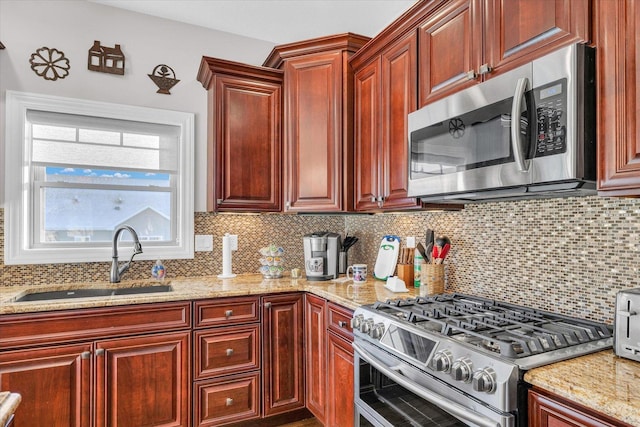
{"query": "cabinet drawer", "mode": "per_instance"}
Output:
(30, 329)
(226, 311)
(227, 400)
(340, 321)
(227, 350)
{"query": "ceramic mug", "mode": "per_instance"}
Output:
(359, 273)
(315, 266)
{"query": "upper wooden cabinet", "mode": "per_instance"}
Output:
(318, 141)
(464, 42)
(385, 93)
(244, 136)
(617, 25)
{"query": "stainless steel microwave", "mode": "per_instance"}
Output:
(527, 133)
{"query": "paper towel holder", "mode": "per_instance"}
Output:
(229, 244)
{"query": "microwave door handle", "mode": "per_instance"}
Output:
(516, 143)
(453, 408)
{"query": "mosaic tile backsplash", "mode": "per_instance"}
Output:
(570, 256)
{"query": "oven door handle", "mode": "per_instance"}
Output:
(516, 138)
(454, 409)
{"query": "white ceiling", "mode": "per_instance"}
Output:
(276, 21)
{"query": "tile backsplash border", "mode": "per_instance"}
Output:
(569, 256)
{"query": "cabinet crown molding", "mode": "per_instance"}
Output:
(210, 66)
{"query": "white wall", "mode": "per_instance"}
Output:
(146, 41)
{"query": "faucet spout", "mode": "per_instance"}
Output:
(116, 270)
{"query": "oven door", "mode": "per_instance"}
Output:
(393, 393)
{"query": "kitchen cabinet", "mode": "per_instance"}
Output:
(340, 373)
(616, 24)
(60, 382)
(318, 121)
(282, 350)
(385, 92)
(227, 344)
(244, 148)
(546, 409)
(315, 351)
(464, 42)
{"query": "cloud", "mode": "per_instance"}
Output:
(149, 174)
(121, 175)
(68, 170)
(87, 171)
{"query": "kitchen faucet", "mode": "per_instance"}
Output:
(116, 271)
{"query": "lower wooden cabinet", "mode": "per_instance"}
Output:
(547, 410)
(134, 380)
(54, 382)
(340, 382)
(282, 329)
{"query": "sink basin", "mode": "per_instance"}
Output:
(89, 293)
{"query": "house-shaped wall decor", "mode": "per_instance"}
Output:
(1, 45)
(106, 59)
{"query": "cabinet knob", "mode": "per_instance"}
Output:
(485, 69)
(229, 352)
(229, 401)
(267, 305)
(228, 313)
(373, 199)
(287, 205)
(471, 75)
(342, 323)
(219, 201)
(100, 352)
(85, 355)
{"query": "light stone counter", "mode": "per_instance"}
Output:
(600, 381)
(343, 293)
(8, 404)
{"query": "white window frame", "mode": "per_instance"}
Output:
(19, 206)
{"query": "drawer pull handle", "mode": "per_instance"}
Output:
(342, 324)
(267, 305)
(229, 401)
(228, 313)
(229, 352)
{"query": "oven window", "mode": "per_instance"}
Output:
(477, 139)
(415, 346)
(398, 406)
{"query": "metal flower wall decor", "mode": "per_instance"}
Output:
(50, 64)
(164, 77)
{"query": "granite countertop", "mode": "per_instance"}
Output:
(601, 381)
(342, 292)
(8, 404)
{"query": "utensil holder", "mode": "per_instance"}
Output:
(405, 273)
(432, 278)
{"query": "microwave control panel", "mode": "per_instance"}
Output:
(551, 105)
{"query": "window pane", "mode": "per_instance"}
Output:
(90, 215)
(54, 132)
(138, 140)
(99, 136)
(107, 177)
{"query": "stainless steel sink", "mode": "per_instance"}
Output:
(93, 292)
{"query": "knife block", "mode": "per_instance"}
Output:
(432, 278)
(405, 273)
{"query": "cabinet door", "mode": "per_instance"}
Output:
(315, 352)
(450, 49)
(247, 145)
(340, 375)
(545, 411)
(143, 380)
(313, 132)
(618, 22)
(399, 98)
(54, 382)
(516, 31)
(282, 353)
(367, 130)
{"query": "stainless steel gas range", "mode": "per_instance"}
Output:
(457, 360)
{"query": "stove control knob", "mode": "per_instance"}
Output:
(461, 370)
(366, 326)
(441, 361)
(377, 330)
(356, 321)
(484, 380)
